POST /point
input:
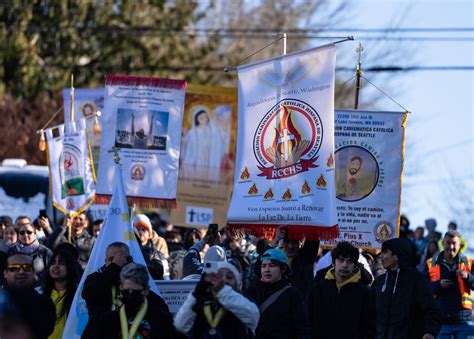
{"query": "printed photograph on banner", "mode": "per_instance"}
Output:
(206, 142)
(207, 156)
(141, 129)
(357, 173)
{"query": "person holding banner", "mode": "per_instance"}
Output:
(216, 309)
(282, 311)
(81, 238)
(142, 315)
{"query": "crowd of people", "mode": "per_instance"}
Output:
(415, 286)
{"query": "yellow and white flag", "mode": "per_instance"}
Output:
(71, 168)
(117, 227)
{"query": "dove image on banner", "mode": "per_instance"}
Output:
(369, 165)
(142, 122)
(117, 227)
(71, 169)
(285, 138)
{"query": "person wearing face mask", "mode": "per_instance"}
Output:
(282, 310)
(28, 244)
(216, 309)
(80, 237)
(142, 314)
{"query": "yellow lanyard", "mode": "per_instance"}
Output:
(126, 334)
(116, 302)
(213, 321)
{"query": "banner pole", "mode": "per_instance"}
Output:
(358, 76)
(283, 43)
(71, 116)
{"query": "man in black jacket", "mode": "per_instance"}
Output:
(102, 288)
(404, 306)
(338, 306)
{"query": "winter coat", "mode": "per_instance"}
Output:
(83, 243)
(342, 312)
(41, 256)
(36, 310)
(284, 319)
(156, 262)
(302, 267)
(449, 299)
(239, 321)
(404, 306)
(157, 323)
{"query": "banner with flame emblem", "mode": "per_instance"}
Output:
(71, 168)
(141, 123)
(284, 172)
(369, 163)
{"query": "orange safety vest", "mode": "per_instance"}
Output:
(435, 275)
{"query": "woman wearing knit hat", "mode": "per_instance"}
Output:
(216, 309)
(282, 313)
(155, 260)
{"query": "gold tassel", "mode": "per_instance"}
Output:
(96, 127)
(42, 142)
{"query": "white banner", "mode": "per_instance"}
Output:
(285, 146)
(117, 227)
(71, 170)
(142, 120)
(369, 162)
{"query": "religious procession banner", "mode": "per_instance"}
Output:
(207, 156)
(141, 125)
(117, 228)
(71, 168)
(369, 163)
(87, 102)
(284, 171)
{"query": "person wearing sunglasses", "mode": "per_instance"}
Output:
(28, 244)
(36, 309)
(142, 315)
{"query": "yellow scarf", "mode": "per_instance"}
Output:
(355, 277)
(128, 333)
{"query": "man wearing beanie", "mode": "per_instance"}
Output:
(404, 306)
(159, 242)
(341, 298)
(216, 309)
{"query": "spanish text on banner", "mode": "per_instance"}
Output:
(369, 161)
(284, 172)
(142, 122)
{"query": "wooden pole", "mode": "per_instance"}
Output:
(358, 77)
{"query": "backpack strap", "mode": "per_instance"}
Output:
(272, 298)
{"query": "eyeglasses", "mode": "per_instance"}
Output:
(26, 232)
(17, 267)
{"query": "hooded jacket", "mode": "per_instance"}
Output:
(331, 305)
(404, 306)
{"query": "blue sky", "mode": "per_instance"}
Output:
(439, 162)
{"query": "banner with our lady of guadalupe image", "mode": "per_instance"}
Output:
(369, 163)
(284, 171)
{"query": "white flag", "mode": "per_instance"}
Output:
(71, 169)
(117, 227)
